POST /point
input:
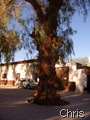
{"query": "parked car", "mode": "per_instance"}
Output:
(19, 82)
(30, 84)
(26, 83)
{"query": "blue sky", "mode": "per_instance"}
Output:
(81, 39)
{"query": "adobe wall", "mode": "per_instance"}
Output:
(77, 75)
(16, 71)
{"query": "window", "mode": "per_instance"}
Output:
(4, 76)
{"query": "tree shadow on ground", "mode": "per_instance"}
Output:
(14, 106)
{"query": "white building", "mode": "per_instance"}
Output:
(77, 74)
(16, 70)
(73, 76)
(27, 69)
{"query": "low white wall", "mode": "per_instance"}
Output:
(78, 76)
(81, 80)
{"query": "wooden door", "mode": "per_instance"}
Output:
(63, 75)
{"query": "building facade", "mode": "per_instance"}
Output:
(73, 76)
(16, 70)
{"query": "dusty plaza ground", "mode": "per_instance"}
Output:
(13, 106)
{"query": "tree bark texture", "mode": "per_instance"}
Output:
(48, 47)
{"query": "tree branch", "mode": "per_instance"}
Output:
(54, 5)
(38, 10)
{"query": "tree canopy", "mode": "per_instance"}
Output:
(53, 15)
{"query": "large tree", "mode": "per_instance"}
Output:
(51, 35)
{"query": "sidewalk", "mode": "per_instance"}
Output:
(13, 106)
(7, 87)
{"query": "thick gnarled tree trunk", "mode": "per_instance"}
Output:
(48, 44)
(46, 91)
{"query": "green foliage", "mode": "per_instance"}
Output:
(83, 61)
(8, 9)
(57, 22)
(53, 18)
(9, 43)
(9, 39)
